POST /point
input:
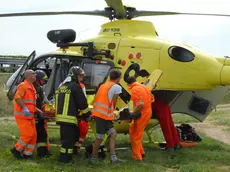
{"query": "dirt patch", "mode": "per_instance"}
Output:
(227, 168)
(214, 131)
(171, 170)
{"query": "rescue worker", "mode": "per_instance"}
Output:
(142, 113)
(82, 124)
(41, 122)
(164, 116)
(104, 104)
(71, 104)
(24, 110)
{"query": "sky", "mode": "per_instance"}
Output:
(22, 35)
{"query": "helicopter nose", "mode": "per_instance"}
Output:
(225, 72)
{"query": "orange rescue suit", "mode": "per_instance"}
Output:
(140, 95)
(102, 108)
(83, 125)
(26, 124)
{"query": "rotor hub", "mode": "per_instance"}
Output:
(128, 13)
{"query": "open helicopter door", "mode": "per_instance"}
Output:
(17, 77)
(153, 78)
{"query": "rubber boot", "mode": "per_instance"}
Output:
(43, 152)
(101, 153)
(16, 153)
(88, 150)
(65, 158)
(75, 150)
(28, 157)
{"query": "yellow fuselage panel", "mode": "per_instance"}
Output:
(126, 38)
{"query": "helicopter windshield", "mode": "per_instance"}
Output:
(57, 67)
(95, 74)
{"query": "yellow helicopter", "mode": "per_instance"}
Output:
(192, 83)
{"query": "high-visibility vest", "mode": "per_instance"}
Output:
(29, 100)
(102, 108)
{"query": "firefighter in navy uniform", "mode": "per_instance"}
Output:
(71, 104)
(42, 136)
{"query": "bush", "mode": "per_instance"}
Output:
(6, 106)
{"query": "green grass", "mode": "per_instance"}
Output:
(182, 118)
(209, 155)
(226, 98)
(6, 106)
(220, 118)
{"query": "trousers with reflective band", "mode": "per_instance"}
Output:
(42, 136)
(69, 136)
(28, 135)
(29, 100)
(84, 128)
(102, 108)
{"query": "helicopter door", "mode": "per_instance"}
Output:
(17, 77)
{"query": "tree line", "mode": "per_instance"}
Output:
(13, 56)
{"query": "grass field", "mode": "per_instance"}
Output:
(5, 105)
(209, 156)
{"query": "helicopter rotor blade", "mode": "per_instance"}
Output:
(118, 7)
(94, 13)
(137, 13)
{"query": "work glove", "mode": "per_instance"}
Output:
(134, 115)
(124, 113)
(26, 111)
(86, 117)
(40, 115)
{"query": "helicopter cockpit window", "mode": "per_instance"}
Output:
(46, 65)
(95, 74)
(180, 54)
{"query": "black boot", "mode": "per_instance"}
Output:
(101, 153)
(65, 158)
(75, 150)
(16, 153)
(49, 154)
(27, 156)
(88, 150)
(143, 156)
(43, 152)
